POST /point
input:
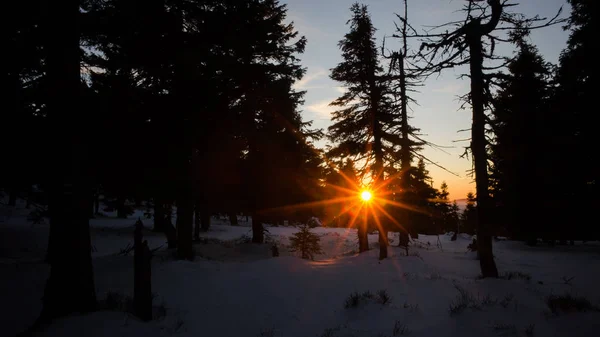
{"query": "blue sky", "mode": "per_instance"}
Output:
(323, 22)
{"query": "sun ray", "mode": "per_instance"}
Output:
(401, 205)
(389, 216)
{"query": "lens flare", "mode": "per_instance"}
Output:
(366, 195)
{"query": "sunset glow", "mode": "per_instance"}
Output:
(366, 195)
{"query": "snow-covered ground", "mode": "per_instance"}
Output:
(238, 289)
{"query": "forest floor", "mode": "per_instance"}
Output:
(235, 288)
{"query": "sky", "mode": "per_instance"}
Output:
(438, 114)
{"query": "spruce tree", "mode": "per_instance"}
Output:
(521, 119)
(359, 127)
(305, 242)
(575, 124)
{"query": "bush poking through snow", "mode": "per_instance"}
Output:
(383, 297)
(507, 300)
(330, 332)
(466, 300)
(305, 242)
(569, 303)
(355, 299)
(506, 329)
(270, 332)
(411, 307)
(115, 301)
(352, 301)
(529, 330)
(400, 329)
(510, 275)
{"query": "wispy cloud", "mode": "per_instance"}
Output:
(321, 108)
(450, 88)
(341, 90)
(303, 83)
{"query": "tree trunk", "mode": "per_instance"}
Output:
(97, 202)
(142, 280)
(233, 218)
(363, 239)
(92, 205)
(185, 215)
(70, 286)
(159, 215)
(258, 235)
(478, 148)
(12, 196)
(121, 211)
(383, 243)
(205, 220)
(197, 217)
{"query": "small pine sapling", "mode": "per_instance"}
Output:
(306, 243)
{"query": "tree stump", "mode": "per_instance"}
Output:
(142, 281)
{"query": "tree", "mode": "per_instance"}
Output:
(521, 121)
(70, 286)
(359, 127)
(454, 217)
(442, 217)
(576, 186)
(469, 215)
(305, 242)
(472, 43)
(262, 53)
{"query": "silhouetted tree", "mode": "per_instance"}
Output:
(519, 151)
(472, 43)
(576, 186)
(359, 127)
(70, 286)
(468, 216)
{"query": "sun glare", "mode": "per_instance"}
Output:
(366, 195)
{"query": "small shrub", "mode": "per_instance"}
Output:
(352, 301)
(567, 280)
(516, 275)
(270, 332)
(411, 307)
(465, 300)
(506, 329)
(355, 299)
(569, 303)
(383, 297)
(529, 330)
(306, 242)
(400, 329)
(367, 294)
(330, 332)
(506, 300)
(118, 302)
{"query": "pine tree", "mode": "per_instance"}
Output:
(442, 210)
(574, 128)
(469, 215)
(361, 128)
(70, 286)
(454, 217)
(305, 242)
(521, 119)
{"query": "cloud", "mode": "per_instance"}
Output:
(341, 90)
(450, 88)
(321, 108)
(303, 83)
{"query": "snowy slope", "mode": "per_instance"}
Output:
(240, 290)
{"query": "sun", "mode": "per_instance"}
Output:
(366, 195)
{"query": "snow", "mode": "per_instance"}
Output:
(237, 289)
